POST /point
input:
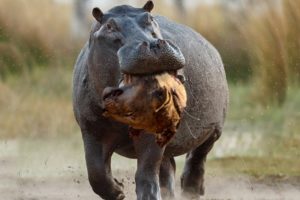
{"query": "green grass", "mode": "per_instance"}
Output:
(277, 151)
(255, 166)
(270, 119)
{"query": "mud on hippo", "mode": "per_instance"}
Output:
(131, 41)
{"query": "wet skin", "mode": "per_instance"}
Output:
(132, 41)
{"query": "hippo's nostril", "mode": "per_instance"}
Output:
(154, 45)
(161, 42)
(158, 44)
(154, 35)
(145, 44)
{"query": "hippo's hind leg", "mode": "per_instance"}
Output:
(192, 178)
(167, 177)
(98, 160)
(149, 156)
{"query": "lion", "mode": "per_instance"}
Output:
(153, 103)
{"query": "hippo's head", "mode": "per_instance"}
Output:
(134, 36)
(151, 103)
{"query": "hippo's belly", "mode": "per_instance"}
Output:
(174, 148)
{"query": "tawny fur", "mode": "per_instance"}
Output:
(150, 103)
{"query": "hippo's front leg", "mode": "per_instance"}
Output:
(149, 156)
(167, 178)
(98, 160)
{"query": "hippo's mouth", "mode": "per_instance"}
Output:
(114, 92)
(177, 74)
(111, 95)
(142, 58)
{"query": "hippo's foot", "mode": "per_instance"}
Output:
(192, 178)
(119, 195)
(192, 184)
(119, 186)
(167, 178)
(98, 156)
(106, 187)
(149, 156)
(147, 188)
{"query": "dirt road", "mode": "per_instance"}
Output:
(51, 170)
(77, 187)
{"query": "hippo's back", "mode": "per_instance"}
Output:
(206, 86)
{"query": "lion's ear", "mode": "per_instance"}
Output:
(178, 101)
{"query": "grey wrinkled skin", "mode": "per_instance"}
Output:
(129, 40)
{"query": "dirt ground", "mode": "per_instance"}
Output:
(49, 171)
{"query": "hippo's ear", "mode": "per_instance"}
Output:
(98, 14)
(148, 6)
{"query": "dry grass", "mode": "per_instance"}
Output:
(40, 23)
(272, 38)
(292, 45)
(37, 105)
(264, 34)
(32, 31)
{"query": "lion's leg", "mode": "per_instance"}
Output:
(149, 156)
(167, 177)
(98, 160)
(192, 178)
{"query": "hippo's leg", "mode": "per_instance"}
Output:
(192, 178)
(149, 157)
(98, 160)
(167, 177)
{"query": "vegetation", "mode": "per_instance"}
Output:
(37, 37)
(37, 104)
(261, 53)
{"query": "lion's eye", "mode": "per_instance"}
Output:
(159, 94)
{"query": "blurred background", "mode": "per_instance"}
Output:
(41, 152)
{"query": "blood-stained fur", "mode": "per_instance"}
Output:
(153, 103)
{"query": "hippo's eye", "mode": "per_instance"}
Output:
(111, 25)
(149, 20)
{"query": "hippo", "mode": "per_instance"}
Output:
(151, 103)
(129, 40)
